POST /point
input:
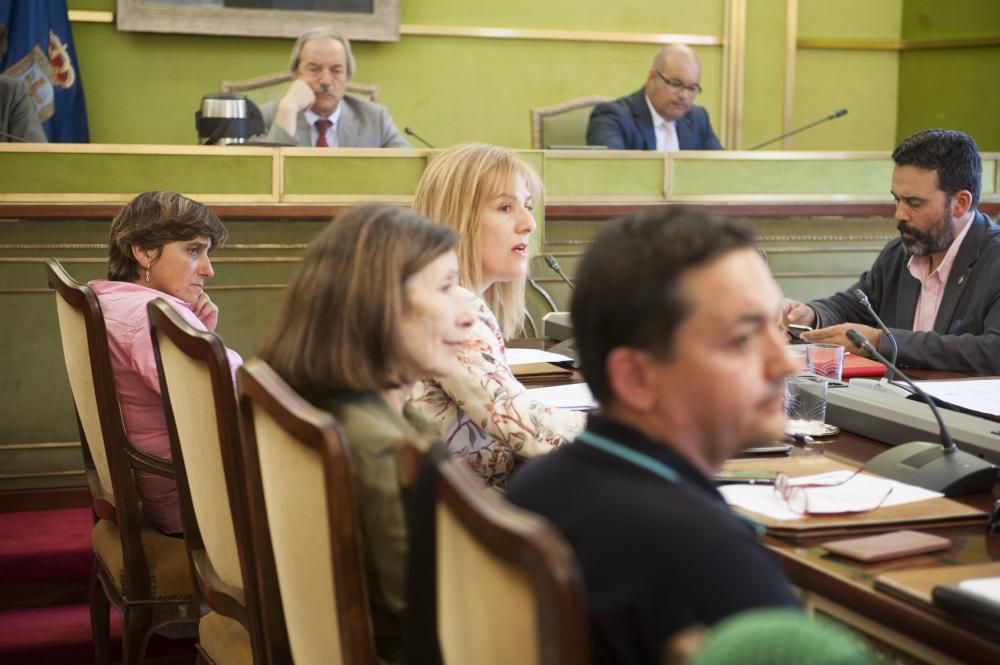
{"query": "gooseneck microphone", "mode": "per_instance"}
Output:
(407, 130)
(542, 292)
(863, 299)
(940, 467)
(840, 113)
(551, 262)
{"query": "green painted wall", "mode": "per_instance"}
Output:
(764, 74)
(864, 82)
(954, 88)
(144, 88)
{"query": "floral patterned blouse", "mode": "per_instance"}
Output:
(486, 417)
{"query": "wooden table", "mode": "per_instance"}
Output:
(845, 590)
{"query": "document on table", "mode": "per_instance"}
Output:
(986, 587)
(575, 396)
(981, 395)
(860, 493)
(529, 356)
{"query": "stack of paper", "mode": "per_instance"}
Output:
(576, 396)
(860, 493)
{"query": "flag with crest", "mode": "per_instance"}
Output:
(36, 45)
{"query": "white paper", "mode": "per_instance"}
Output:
(982, 395)
(860, 493)
(528, 356)
(575, 396)
(987, 587)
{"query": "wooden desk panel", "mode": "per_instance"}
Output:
(845, 590)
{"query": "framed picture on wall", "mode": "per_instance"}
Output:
(363, 20)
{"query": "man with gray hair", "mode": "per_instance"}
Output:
(315, 110)
(662, 115)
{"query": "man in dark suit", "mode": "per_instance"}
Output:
(936, 286)
(660, 116)
(686, 375)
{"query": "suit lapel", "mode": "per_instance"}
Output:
(347, 127)
(643, 120)
(685, 132)
(958, 279)
(303, 132)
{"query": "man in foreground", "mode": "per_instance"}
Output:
(662, 115)
(316, 111)
(676, 320)
(937, 286)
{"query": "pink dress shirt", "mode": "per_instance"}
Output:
(138, 383)
(932, 283)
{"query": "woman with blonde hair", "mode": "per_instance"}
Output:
(486, 195)
(352, 341)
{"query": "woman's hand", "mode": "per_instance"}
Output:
(206, 311)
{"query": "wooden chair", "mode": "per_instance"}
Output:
(564, 123)
(142, 572)
(487, 582)
(270, 87)
(199, 398)
(298, 467)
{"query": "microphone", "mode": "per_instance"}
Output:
(939, 467)
(863, 299)
(13, 139)
(545, 294)
(833, 116)
(551, 262)
(412, 133)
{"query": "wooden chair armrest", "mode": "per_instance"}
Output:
(143, 461)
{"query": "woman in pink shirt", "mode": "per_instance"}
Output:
(159, 248)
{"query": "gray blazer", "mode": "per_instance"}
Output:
(966, 335)
(18, 116)
(362, 125)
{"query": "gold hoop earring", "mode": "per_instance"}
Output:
(147, 274)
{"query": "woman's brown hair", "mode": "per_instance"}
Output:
(152, 220)
(338, 330)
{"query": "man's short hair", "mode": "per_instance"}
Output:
(628, 285)
(319, 33)
(954, 155)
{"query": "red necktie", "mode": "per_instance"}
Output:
(321, 126)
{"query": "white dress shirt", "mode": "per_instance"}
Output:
(666, 131)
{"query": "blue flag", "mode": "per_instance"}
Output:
(36, 46)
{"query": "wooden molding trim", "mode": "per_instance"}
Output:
(481, 32)
(87, 16)
(74, 496)
(896, 45)
(554, 210)
(791, 39)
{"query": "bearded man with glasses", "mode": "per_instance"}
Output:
(660, 116)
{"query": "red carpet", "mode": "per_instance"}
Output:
(45, 546)
(45, 561)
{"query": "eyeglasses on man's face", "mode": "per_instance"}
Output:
(678, 85)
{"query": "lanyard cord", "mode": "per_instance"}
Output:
(654, 466)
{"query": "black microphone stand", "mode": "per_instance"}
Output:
(940, 467)
(832, 116)
(412, 133)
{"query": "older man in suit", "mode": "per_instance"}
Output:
(316, 112)
(936, 286)
(660, 116)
